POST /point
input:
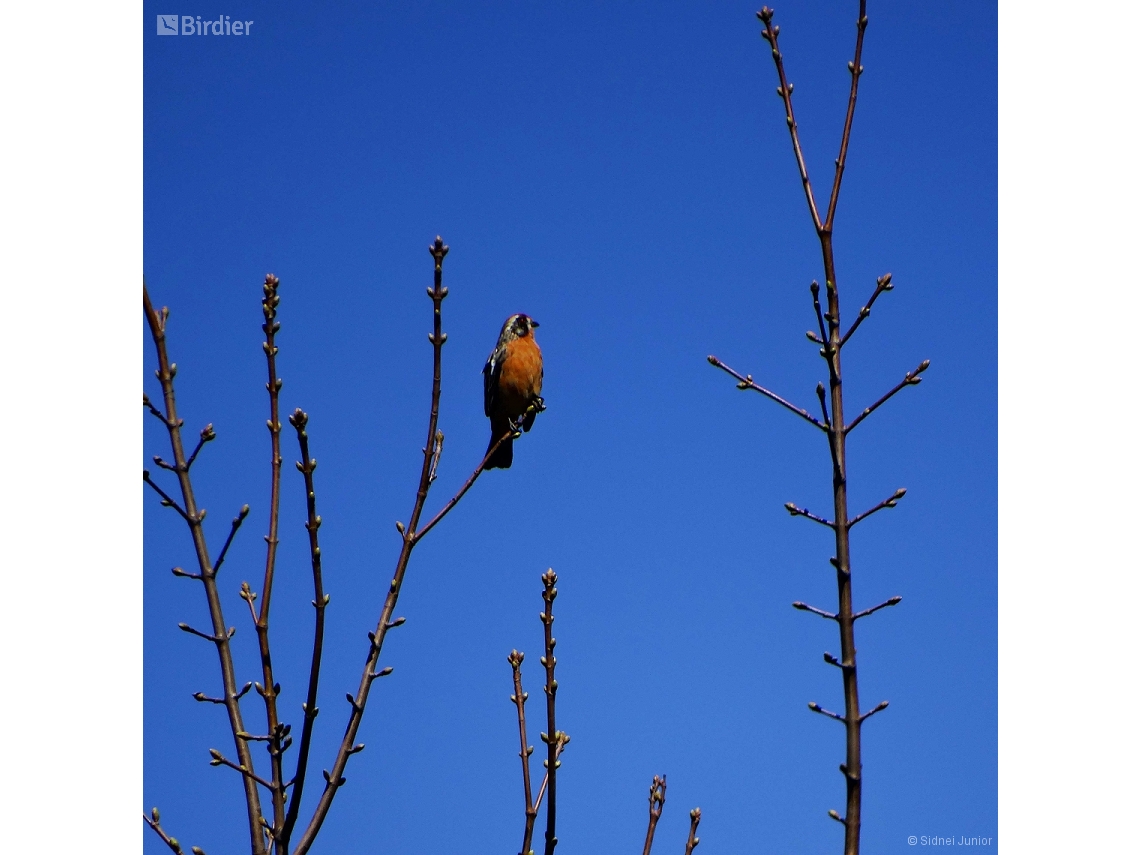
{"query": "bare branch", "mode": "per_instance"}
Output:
(883, 283)
(300, 420)
(893, 601)
(911, 379)
(556, 739)
(269, 303)
(560, 739)
(172, 842)
(856, 72)
(218, 760)
(879, 708)
(886, 503)
(335, 778)
(694, 821)
(207, 435)
(784, 90)
(746, 382)
(216, 639)
(804, 512)
(819, 393)
(470, 482)
(823, 336)
(167, 502)
(656, 804)
(203, 698)
(234, 526)
(834, 814)
(804, 607)
(157, 413)
(816, 708)
(519, 698)
(156, 321)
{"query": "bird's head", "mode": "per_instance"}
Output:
(518, 326)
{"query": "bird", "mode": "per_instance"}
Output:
(512, 383)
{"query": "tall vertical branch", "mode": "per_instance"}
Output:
(835, 426)
(269, 689)
(307, 465)
(556, 740)
(156, 321)
(519, 698)
(553, 739)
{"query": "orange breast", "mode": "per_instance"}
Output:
(520, 379)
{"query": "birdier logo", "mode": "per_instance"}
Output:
(193, 25)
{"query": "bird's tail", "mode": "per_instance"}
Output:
(504, 455)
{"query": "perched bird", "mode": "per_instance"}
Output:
(512, 381)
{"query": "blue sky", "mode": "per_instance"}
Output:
(624, 175)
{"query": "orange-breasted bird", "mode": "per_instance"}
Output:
(512, 381)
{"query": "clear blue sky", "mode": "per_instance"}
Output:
(624, 175)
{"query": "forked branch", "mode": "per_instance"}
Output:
(411, 534)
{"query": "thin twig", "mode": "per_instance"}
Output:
(307, 465)
(784, 90)
(886, 503)
(883, 283)
(893, 601)
(207, 435)
(216, 638)
(234, 526)
(694, 821)
(562, 739)
(656, 803)
(911, 379)
(167, 502)
(819, 318)
(470, 482)
(882, 705)
(746, 382)
(515, 658)
(155, 411)
(856, 72)
(819, 393)
(804, 607)
(816, 708)
(219, 760)
(172, 842)
(156, 321)
(804, 512)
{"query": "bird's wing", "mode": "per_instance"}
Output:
(491, 380)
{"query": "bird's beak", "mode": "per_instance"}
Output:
(534, 323)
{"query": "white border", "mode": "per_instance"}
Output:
(70, 504)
